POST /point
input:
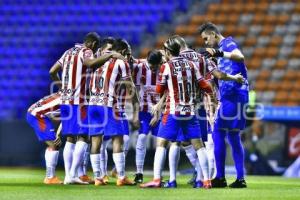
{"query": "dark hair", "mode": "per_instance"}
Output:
(92, 37)
(120, 44)
(107, 40)
(208, 26)
(154, 57)
(173, 46)
(179, 39)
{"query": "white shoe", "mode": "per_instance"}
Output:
(67, 180)
(75, 180)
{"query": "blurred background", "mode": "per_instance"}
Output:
(34, 34)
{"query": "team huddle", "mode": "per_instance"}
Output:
(185, 98)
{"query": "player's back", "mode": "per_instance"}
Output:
(145, 79)
(45, 105)
(75, 74)
(204, 65)
(179, 76)
(105, 82)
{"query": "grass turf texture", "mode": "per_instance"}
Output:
(27, 184)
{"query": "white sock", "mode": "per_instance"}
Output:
(95, 161)
(78, 155)
(103, 157)
(86, 160)
(51, 158)
(68, 157)
(159, 161)
(174, 155)
(202, 156)
(126, 139)
(140, 153)
(193, 158)
(119, 160)
(211, 156)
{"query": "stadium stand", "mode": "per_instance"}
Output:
(268, 32)
(36, 33)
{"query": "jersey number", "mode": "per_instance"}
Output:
(181, 90)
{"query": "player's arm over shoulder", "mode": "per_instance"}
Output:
(232, 52)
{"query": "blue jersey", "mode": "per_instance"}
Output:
(231, 88)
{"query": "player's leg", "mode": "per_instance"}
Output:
(68, 155)
(51, 158)
(77, 129)
(78, 155)
(45, 132)
(82, 170)
(104, 158)
(95, 159)
(168, 131)
(159, 161)
(140, 154)
(96, 118)
(209, 145)
(174, 156)
(191, 153)
(116, 130)
(126, 137)
(140, 150)
(237, 149)
(235, 142)
(119, 160)
(191, 130)
(219, 136)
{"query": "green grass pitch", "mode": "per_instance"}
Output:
(19, 184)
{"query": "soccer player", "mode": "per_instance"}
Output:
(39, 117)
(234, 97)
(208, 70)
(75, 65)
(145, 78)
(178, 77)
(107, 84)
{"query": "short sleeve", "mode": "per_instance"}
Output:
(230, 45)
(61, 60)
(124, 69)
(163, 75)
(88, 54)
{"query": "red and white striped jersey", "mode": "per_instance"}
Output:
(75, 75)
(105, 84)
(179, 77)
(48, 105)
(145, 79)
(205, 66)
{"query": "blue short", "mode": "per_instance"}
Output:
(145, 128)
(43, 127)
(232, 112)
(98, 119)
(171, 125)
(117, 123)
(201, 116)
(74, 120)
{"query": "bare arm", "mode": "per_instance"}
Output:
(235, 55)
(227, 77)
(130, 87)
(97, 62)
(53, 72)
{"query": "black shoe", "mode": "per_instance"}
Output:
(219, 183)
(138, 178)
(238, 183)
(193, 179)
